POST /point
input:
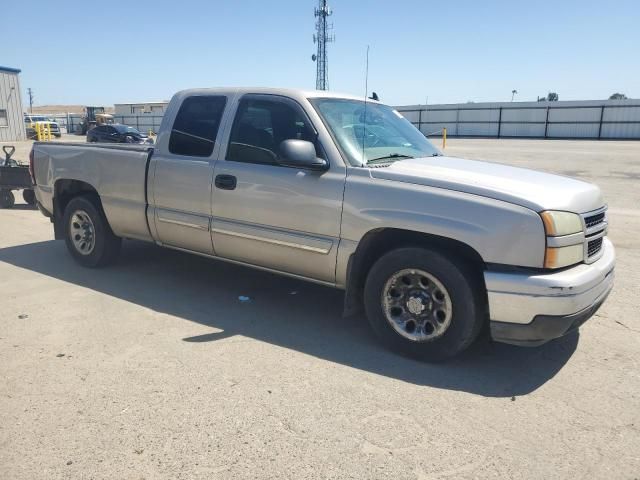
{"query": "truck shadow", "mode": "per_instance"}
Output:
(288, 313)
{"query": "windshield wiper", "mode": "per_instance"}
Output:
(386, 157)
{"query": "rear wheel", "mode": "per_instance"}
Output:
(7, 200)
(29, 196)
(422, 304)
(88, 235)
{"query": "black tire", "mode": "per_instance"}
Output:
(106, 245)
(29, 196)
(7, 200)
(465, 292)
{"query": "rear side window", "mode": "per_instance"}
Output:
(196, 126)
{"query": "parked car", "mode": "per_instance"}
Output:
(31, 121)
(344, 192)
(116, 133)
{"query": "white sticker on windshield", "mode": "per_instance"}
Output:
(398, 114)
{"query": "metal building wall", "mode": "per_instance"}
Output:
(11, 101)
(574, 119)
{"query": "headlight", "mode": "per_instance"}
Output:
(557, 223)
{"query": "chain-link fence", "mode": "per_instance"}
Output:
(144, 123)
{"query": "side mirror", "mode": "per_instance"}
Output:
(301, 154)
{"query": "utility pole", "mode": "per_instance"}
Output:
(30, 92)
(322, 37)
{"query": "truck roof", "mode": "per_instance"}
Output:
(287, 92)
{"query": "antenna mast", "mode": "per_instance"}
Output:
(322, 36)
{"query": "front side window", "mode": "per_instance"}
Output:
(371, 133)
(196, 126)
(261, 126)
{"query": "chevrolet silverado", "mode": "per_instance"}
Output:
(345, 192)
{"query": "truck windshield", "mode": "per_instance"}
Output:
(372, 134)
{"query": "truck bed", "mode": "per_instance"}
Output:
(118, 173)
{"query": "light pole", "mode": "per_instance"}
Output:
(513, 93)
(30, 92)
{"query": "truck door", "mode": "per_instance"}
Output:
(181, 174)
(278, 217)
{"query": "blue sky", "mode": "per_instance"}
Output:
(78, 52)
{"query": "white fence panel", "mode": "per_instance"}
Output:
(628, 130)
(575, 114)
(479, 115)
(439, 115)
(477, 129)
(524, 114)
(521, 130)
(624, 114)
(573, 130)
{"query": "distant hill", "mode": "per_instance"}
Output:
(50, 109)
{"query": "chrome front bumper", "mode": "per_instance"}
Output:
(533, 308)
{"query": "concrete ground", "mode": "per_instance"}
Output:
(155, 368)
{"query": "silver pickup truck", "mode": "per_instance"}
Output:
(347, 193)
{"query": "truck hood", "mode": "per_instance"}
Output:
(521, 186)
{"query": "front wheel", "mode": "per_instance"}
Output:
(421, 304)
(88, 235)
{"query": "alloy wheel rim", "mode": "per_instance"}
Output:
(82, 232)
(417, 305)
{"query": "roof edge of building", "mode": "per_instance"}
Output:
(9, 69)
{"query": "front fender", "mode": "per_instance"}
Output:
(501, 232)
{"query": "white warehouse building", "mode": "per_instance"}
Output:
(11, 113)
(140, 108)
(145, 116)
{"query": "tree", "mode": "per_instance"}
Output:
(550, 97)
(618, 96)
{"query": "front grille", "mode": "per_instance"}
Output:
(594, 220)
(594, 246)
(595, 224)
